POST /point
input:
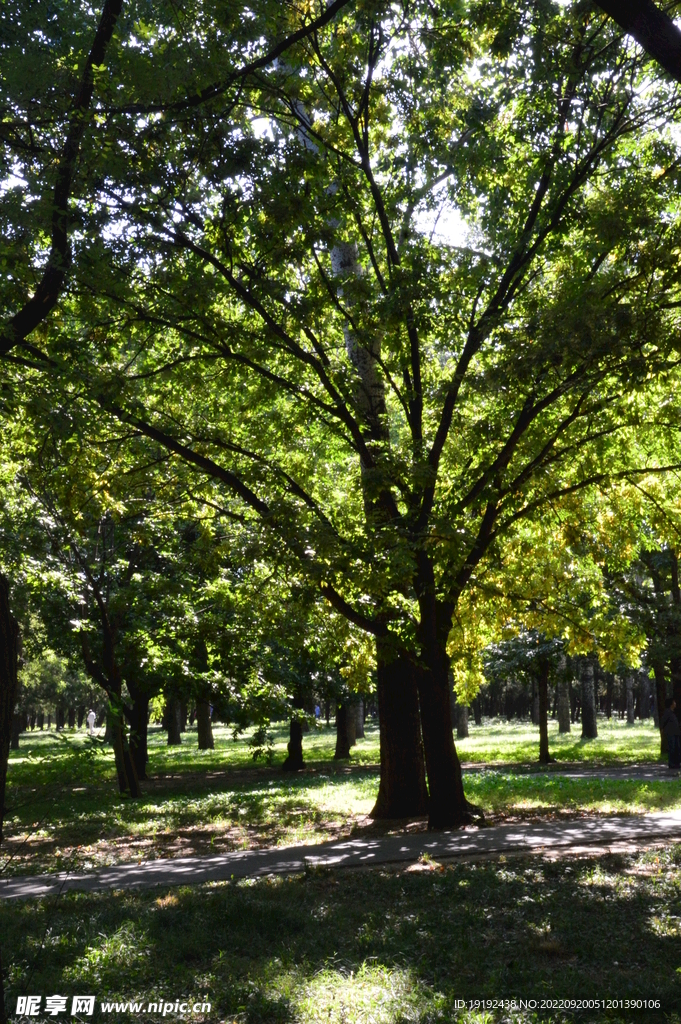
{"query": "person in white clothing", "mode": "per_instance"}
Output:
(91, 723)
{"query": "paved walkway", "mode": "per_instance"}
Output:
(524, 837)
(647, 772)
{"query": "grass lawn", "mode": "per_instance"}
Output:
(370, 947)
(63, 808)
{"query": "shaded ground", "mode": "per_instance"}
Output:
(63, 809)
(382, 946)
(363, 852)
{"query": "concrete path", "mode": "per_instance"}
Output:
(523, 837)
(638, 772)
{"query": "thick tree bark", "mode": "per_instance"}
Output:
(402, 791)
(589, 723)
(294, 761)
(447, 805)
(343, 715)
(204, 727)
(543, 694)
(652, 29)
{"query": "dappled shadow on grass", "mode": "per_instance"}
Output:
(383, 946)
(95, 827)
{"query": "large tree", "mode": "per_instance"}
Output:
(387, 402)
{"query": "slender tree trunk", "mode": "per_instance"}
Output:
(9, 662)
(660, 698)
(138, 717)
(81, 715)
(342, 732)
(644, 688)
(125, 767)
(359, 727)
(461, 721)
(630, 698)
(477, 711)
(402, 791)
(174, 721)
(72, 717)
(535, 703)
(589, 723)
(203, 725)
(563, 705)
(294, 761)
(17, 729)
(543, 694)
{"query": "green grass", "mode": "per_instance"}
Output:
(500, 741)
(63, 807)
(374, 947)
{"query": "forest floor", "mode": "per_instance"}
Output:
(63, 811)
(386, 946)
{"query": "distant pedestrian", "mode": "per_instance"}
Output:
(670, 727)
(317, 711)
(91, 722)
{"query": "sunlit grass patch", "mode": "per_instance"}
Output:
(617, 742)
(501, 793)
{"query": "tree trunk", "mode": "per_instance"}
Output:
(125, 767)
(563, 705)
(59, 715)
(589, 725)
(609, 683)
(81, 715)
(359, 727)
(9, 662)
(294, 761)
(660, 698)
(203, 725)
(41, 720)
(138, 716)
(461, 721)
(183, 716)
(477, 711)
(630, 698)
(173, 721)
(644, 687)
(402, 791)
(72, 717)
(343, 715)
(543, 694)
(535, 703)
(447, 805)
(17, 729)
